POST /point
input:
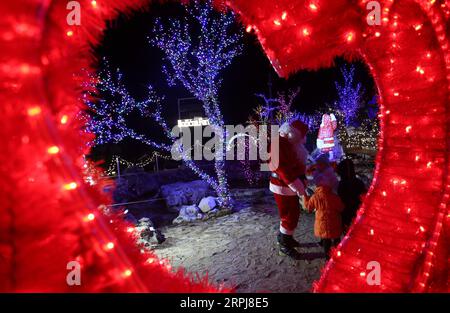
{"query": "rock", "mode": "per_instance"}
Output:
(207, 204)
(135, 186)
(149, 235)
(190, 210)
(188, 213)
(178, 220)
(180, 193)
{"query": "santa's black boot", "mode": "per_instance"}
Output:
(293, 243)
(287, 240)
(286, 248)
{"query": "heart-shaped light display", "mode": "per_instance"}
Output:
(403, 222)
(49, 216)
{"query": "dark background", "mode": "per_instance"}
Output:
(125, 45)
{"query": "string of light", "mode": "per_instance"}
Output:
(145, 161)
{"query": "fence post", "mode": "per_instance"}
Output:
(118, 166)
(157, 163)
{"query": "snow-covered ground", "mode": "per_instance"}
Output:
(239, 250)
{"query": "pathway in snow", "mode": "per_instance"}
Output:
(239, 250)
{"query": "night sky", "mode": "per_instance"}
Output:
(125, 45)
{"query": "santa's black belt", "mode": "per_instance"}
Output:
(301, 177)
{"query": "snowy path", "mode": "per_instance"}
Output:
(239, 250)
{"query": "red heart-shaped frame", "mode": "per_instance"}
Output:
(49, 217)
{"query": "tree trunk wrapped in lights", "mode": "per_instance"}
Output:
(197, 65)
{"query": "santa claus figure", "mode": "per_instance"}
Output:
(325, 139)
(288, 182)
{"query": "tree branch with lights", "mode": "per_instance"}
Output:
(355, 135)
(349, 95)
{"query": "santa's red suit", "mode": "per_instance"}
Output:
(325, 139)
(288, 180)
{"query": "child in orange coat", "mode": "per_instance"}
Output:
(328, 207)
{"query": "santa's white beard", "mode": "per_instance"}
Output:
(302, 152)
(296, 139)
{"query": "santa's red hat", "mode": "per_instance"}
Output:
(299, 126)
(295, 126)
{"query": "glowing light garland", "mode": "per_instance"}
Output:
(141, 164)
(363, 139)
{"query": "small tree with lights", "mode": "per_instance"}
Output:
(198, 64)
(354, 133)
(349, 96)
